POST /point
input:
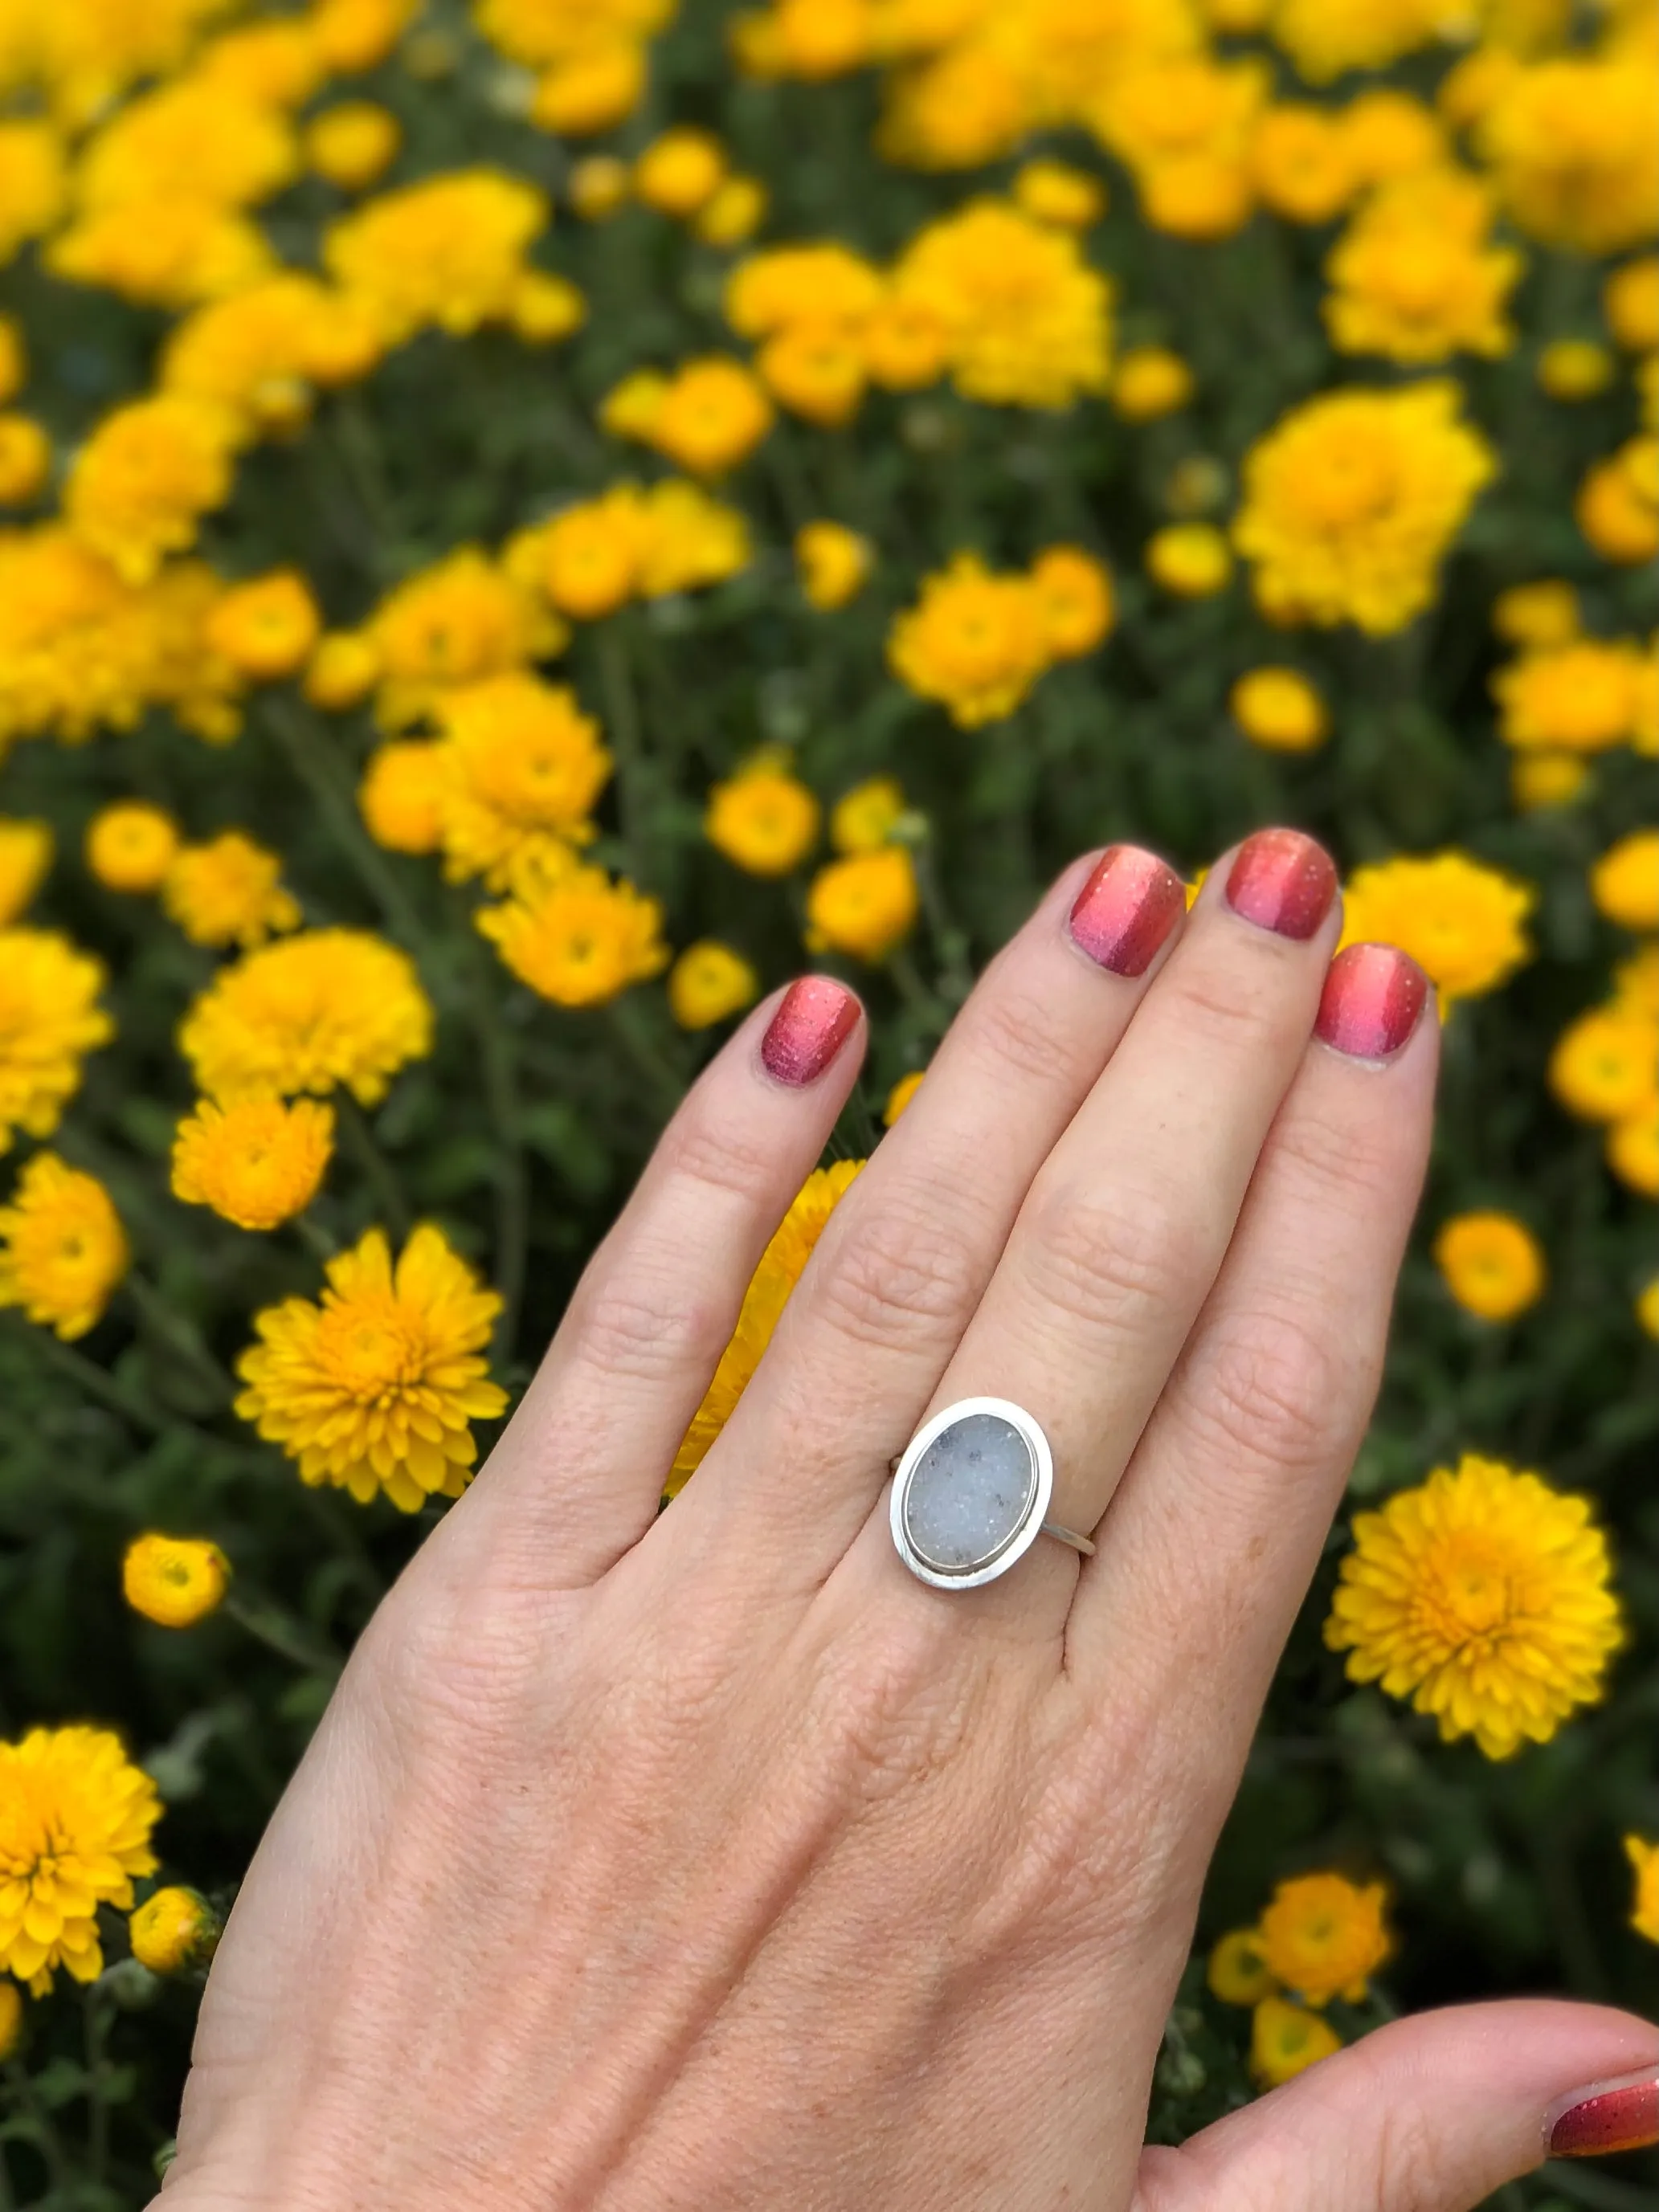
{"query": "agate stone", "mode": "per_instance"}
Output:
(969, 1494)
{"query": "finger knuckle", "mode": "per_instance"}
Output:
(902, 1273)
(644, 1320)
(720, 1154)
(1402, 2165)
(1025, 1038)
(1109, 1259)
(1275, 1388)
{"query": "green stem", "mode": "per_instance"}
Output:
(389, 1192)
(280, 1632)
(95, 2024)
(950, 942)
(646, 1055)
(315, 769)
(45, 2135)
(622, 715)
(171, 1329)
(499, 1062)
(315, 1238)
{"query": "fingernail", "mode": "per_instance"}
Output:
(1282, 881)
(815, 1019)
(1373, 999)
(1609, 2116)
(1126, 909)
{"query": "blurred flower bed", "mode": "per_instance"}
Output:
(526, 524)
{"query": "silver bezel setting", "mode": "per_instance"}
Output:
(1029, 1528)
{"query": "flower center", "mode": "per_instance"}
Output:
(371, 1355)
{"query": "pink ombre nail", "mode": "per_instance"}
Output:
(1608, 2117)
(1126, 909)
(1373, 999)
(1282, 881)
(815, 1019)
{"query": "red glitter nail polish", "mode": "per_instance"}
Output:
(1612, 2116)
(1373, 997)
(1282, 881)
(1126, 909)
(814, 1019)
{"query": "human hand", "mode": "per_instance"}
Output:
(712, 1859)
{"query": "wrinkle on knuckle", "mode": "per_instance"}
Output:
(710, 1153)
(1346, 1161)
(1107, 1260)
(1403, 2164)
(1227, 1004)
(1024, 1037)
(902, 1273)
(1271, 1385)
(643, 1322)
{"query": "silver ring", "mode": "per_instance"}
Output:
(971, 1492)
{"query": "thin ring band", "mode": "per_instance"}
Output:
(971, 1492)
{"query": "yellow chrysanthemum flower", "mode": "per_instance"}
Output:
(1462, 922)
(174, 1929)
(863, 905)
(1630, 300)
(734, 212)
(1323, 1936)
(375, 1388)
(832, 563)
(1632, 1145)
(1325, 38)
(401, 797)
(1279, 709)
(1618, 503)
(520, 764)
(900, 1095)
(455, 622)
(1149, 382)
(1236, 1972)
(1054, 192)
(1605, 1067)
(1353, 499)
(764, 820)
(1191, 559)
(228, 892)
(258, 1162)
(267, 627)
(1024, 320)
(1582, 695)
(1483, 1597)
(1078, 605)
(174, 1581)
(1572, 145)
(1537, 616)
(1302, 163)
(780, 1268)
(50, 1019)
(62, 1247)
(1573, 369)
(445, 253)
(353, 143)
(194, 138)
(1286, 2038)
(864, 819)
(1644, 1907)
(76, 1818)
(24, 459)
(1491, 1263)
(130, 846)
(1624, 883)
(710, 415)
(679, 171)
(599, 186)
(144, 478)
(330, 1006)
(1415, 278)
(32, 181)
(974, 640)
(709, 982)
(345, 669)
(261, 352)
(590, 554)
(577, 938)
(173, 253)
(25, 857)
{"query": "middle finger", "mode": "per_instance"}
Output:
(1126, 1225)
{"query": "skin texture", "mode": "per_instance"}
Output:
(712, 1860)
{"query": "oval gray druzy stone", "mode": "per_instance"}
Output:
(968, 1493)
